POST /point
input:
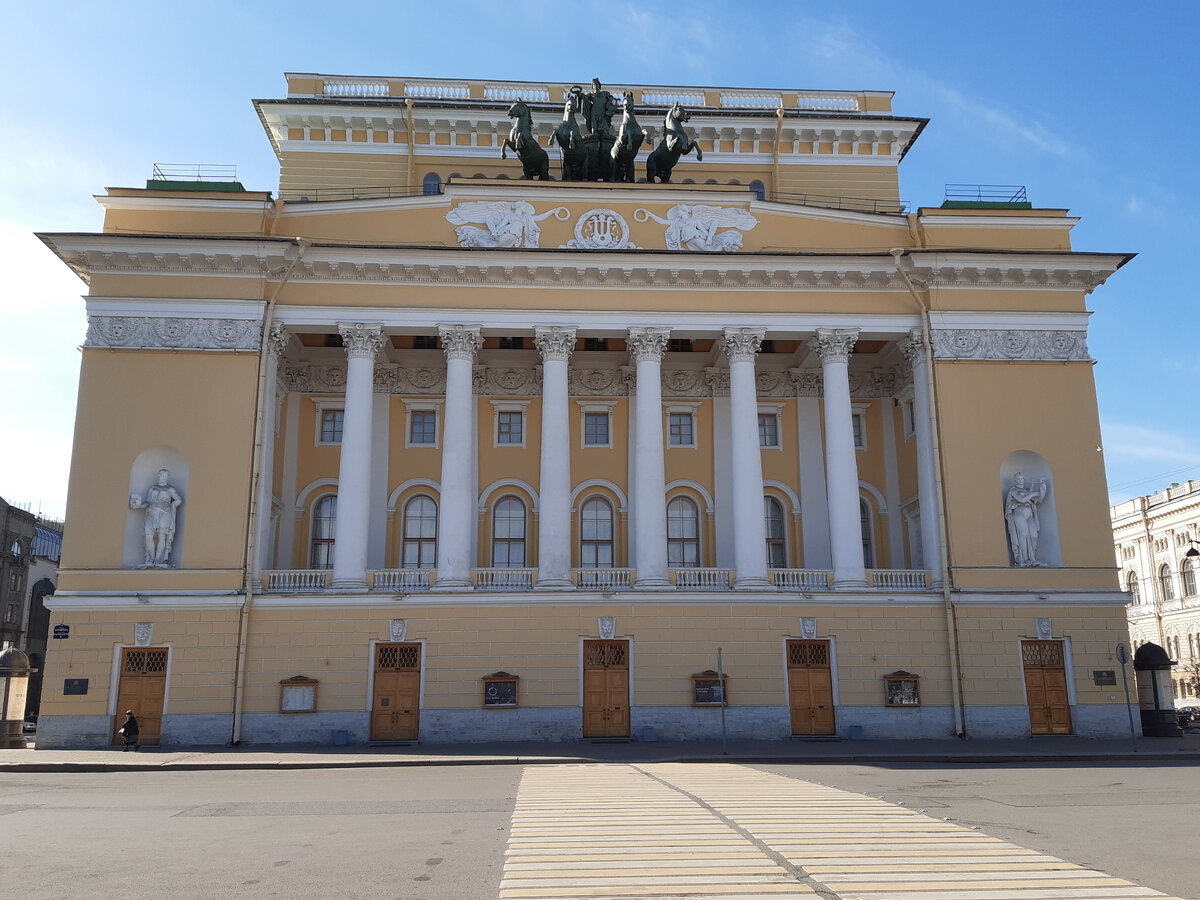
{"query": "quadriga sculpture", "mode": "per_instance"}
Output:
(629, 140)
(534, 159)
(674, 144)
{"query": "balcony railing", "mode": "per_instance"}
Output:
(401, 580)
(898, 579)
(703, 579)
(800, 579)
(504, 579)
(604, 579)
(296, 581)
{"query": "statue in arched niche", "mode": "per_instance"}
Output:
(160, 503)
(1021, 514)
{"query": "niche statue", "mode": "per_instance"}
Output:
(160, 503)
(1021, 514)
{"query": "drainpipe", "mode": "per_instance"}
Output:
(943, 548)
(239, 682)
(412, 142)
(775, 161)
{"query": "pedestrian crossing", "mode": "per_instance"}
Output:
(729, 832)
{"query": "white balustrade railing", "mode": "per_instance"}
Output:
(401, 580)
(604, 579)
(438, 90)
(671, 96)
(832, 102)
(296, 581)
(504, 579)
(703, 579)
(750, 100)
(800, 579)
(337, 87)
(898, 579)
(536, 93)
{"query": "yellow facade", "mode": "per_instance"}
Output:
(402, 403)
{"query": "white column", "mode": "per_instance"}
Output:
(891, 484)
(722, 431)
(276, 343)
(362, 342)
(554, 489)
(749, 528)
(457, 516)
(815, 509)
(833, 346)
(931, 525)
(646, 348)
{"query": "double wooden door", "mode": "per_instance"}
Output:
(396, 705)
(605, 689)
(1046, 687)
(810, 687)
(142, 688)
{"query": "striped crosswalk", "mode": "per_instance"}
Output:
(728, 832)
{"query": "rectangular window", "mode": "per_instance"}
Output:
(595, 429)
(859, 420)
(512, 343)
(681, 434)
(425, 342)
(331, 426)
(768, 430)
(908, 410)
(679, 345)
(509, 427)
(500, 691)
(423, 429)
(595, 343)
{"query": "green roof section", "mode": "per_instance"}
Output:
(157, 184)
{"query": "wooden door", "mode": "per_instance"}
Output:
(396, 706)
(1046, 687)
(605, 689)
(810, 687)
(142, 688)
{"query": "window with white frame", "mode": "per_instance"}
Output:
(776, 534)
(596, 534)
(419, 549)
(908, 415)
(509, 422)
(1188, 572)
(683, 533)
(1165, 580)
(596, 424)
(864, 513)
(681, 425)
(1131, 585)
(508, 534)
(422, 430)
(768, 427)
(858, 420)
(330, 416)
(324, 526)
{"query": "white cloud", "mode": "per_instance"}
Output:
(1150, 444)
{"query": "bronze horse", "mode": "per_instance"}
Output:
(534, 160)
(629, 140)
(674, 144)
(570, 139)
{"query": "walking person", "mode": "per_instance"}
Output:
(129, 731)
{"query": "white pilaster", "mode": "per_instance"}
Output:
(833, 346)
(722, 432)
(891, 484)
(749, 528)
(646, 348)
(931, 526)
(362, 342)
(291, 464)
(813, 494)
(457, 513)
(276, 342)
(380, 438)
(554, 526)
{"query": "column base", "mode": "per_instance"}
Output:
(349, 586)
(653, 584)
(554, 584)
(753, 583)
(850, 584)
(456, 585)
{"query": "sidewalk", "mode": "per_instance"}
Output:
(1048, 749)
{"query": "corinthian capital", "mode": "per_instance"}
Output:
(834, 344)
(362, 341)
(553, 342)
(648, 344)
(741, 344)
(277, 340)
(460, 341)
(913, 347)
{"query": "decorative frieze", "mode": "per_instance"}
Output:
(695, 227)
(154, 333)
(493, 382)
(598, 382)
(601, 229)
(500, 224)
(963, 343)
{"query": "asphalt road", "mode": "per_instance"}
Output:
(1133, 820)
(440, 831)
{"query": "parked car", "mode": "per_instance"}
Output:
(1188, 717)
(29, 726)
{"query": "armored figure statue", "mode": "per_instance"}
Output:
(160, 503)
(598, 109)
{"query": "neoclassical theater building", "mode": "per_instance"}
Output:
(413, 447)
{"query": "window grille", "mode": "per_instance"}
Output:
(808, 654)
(1042, 653)
(391, 657)
(606, 653)
(144, 662)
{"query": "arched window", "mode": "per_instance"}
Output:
(683, 534)
(508, 534)
(1131, 585)
(1188, 570)
(776, 534)
(419, 550)
(864, 513)
(759, 189)
(1192, 646)
(596, 534)
(324, 524)
(431, 184)
(1164, 579)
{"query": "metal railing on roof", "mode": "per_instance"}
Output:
(853, 204)
(194, 172)
(986, 193)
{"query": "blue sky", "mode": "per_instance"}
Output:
(1091, 105)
